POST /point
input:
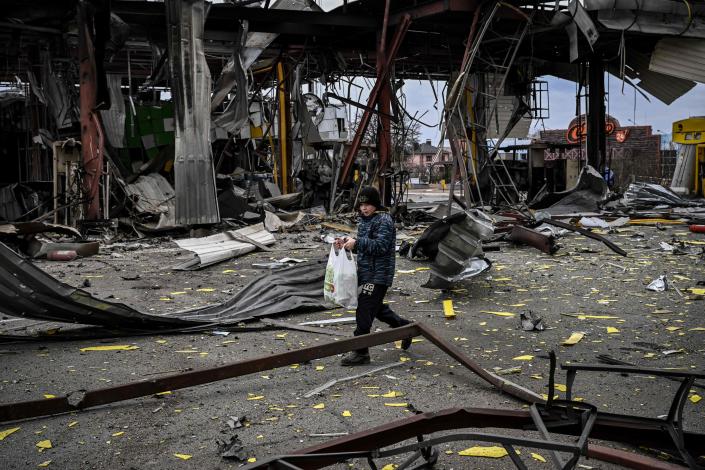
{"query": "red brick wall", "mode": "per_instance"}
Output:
(638, 156)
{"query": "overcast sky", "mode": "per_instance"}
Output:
(562, 103)
(562, 106)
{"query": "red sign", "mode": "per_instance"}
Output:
(621, 135)
(577, 132)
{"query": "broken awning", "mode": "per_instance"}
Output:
(27, 291)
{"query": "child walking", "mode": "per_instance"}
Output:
(375, 248)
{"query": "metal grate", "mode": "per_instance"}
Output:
(539, 100)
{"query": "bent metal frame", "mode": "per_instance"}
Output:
(566, 417)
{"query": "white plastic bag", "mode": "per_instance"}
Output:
(340, 284)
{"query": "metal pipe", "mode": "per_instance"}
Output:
(587, 233)
(527, 236)
(284, 147)
(610, 427)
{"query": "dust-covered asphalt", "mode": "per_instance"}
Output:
(583, 288)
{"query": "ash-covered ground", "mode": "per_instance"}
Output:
(584, 287)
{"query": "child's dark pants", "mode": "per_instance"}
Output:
(370, 306)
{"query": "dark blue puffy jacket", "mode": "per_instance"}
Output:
(375, 247)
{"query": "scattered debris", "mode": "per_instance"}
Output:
(527, 236)
(329, 321)
(530, 321)
(318, 390)
(232, 448)
(113, 129)
(659, 284)
(283, 290)
(574, 338)
(648, 195)
(223, 246)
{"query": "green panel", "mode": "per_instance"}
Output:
(156, 115)
(132, 141)
(152, 153)
(164, 138)
(168, 109)
(144, 115)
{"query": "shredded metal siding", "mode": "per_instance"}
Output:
(506, 107)
(664, 87)
(152, 194)
(196, 198)
(505, 111)
(222, 246)
(683, 58)
(113, 119)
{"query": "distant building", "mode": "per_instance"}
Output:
(633, 152)
(424, 155)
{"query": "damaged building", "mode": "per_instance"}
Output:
(176, 172)
(272, 103)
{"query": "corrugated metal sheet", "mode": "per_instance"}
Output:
(505, 110)
(663, 87)
(194, 175)
(153, 195)
(669, 17)
(113, 119)
(669, 7)
(222, 246)
(28, 292)
(500, 118)
(683, 58)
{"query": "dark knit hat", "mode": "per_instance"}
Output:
(370, 195)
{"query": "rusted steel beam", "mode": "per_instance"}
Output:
(384, 132)
(611, 427)
(91, 138)
(500, 383)
(527, 236)
(424, 423)
(36, 408)
(285, 145)
(587, 233)
(374, 96)
(435, 8)
(628, 459)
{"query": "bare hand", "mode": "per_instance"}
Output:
(339, 242)
(349, 243)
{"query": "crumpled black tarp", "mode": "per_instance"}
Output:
(27, 291)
